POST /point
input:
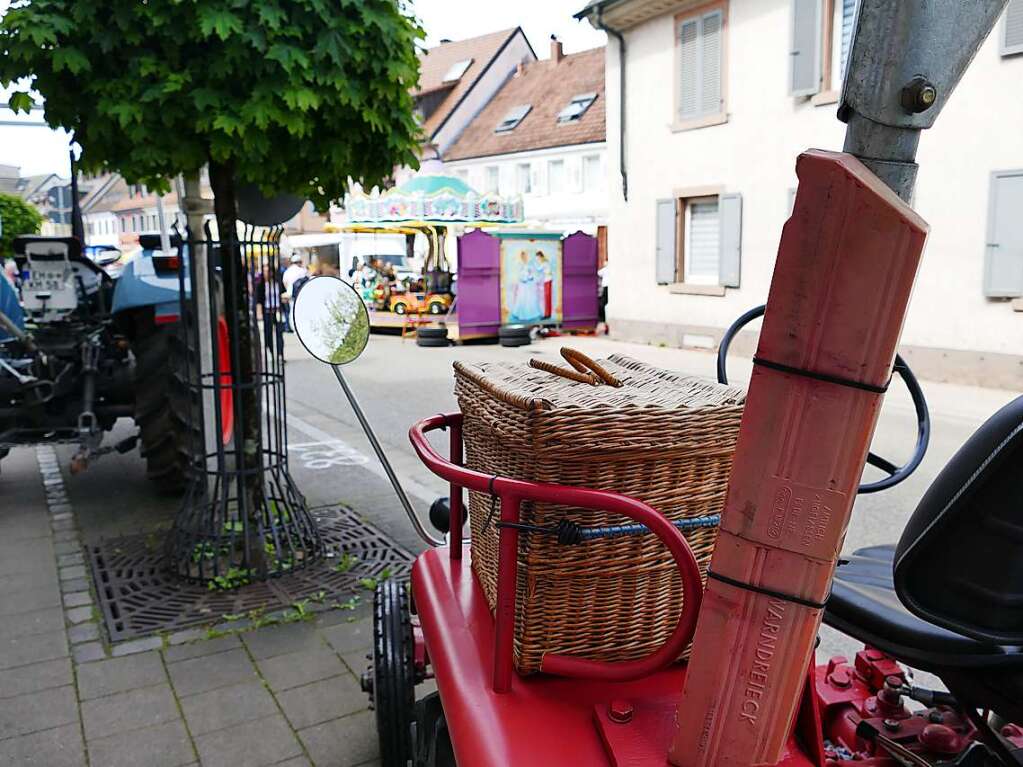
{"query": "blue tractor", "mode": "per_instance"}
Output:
(80, 349)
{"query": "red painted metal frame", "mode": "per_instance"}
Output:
(511, 493)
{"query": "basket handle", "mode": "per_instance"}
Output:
(569, 373)
(581, 362)
(583, 370)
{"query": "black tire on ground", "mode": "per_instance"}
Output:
(432, 333)
(166, 410)
(394, 678)
(434, 342)
(510, 342)
(513, 331)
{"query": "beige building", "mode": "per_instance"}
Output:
(719, 99)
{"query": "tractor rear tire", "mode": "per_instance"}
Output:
(167, 410)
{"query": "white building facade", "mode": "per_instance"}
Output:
(720, 98)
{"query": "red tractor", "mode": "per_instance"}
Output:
(947, 598)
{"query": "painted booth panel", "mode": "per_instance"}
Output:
(579, 267)
(479, 284)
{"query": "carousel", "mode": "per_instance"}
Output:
(427, 210)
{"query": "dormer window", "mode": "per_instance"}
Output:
(457, 70)
(513, 118)
(576, 107)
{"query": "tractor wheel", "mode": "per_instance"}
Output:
(399, 308)
(394, 677)
(437, 307)
(166, 410)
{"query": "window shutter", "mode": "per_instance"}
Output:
(1003, 260)
(710, 70)
(1012, 33)
(730, 214)
(665, 266)
(848, 20)
(805, 55)
(689, 62)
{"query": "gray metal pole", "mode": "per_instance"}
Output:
(195, 207)
(162, 221)
(906, 58)
(395, 483)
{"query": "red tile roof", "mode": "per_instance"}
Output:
(437, 61)
(547, 86)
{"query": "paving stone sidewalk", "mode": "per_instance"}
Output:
(278, 695)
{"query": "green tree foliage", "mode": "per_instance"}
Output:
(295, 95)
(17, 218)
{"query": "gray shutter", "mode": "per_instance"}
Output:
(1003, 260)
(805, 54)
(1012, 32)
(689, 66)
(710, 59)
(848, 20)
(730, 215)
(666, 249)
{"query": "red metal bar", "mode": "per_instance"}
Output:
(455, 494)
(512, 492)
(507, 575)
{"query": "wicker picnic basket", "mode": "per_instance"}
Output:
(661, 437)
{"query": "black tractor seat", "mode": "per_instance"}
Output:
(948, 598)
(864, 605)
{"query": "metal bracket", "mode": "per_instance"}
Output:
(907, 57)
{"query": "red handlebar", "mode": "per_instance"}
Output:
(512, 492)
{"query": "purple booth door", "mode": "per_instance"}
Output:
(479, 284)
(579, 291)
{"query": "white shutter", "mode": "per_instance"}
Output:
(1003, 260)
(805, 54)
(700, 65)
(689, 62)
(710, 74)
(703, 243)
(1012, 32)
(665, 247)
(730, 258)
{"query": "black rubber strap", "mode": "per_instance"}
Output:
(821, 376)
(768, 592)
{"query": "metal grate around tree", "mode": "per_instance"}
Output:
(242, 518)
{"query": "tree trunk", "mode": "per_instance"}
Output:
(248, 399)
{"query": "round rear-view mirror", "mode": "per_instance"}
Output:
(331, 320)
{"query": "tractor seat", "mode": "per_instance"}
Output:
(864, 605)
(949, 597)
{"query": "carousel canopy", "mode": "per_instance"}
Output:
(432, 199)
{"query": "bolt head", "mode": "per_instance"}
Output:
(619, 711)
(919, 95)
(892, 725)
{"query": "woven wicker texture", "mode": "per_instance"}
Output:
(660, 437)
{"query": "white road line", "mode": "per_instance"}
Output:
(412, 486)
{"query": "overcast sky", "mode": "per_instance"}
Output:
(40, 150)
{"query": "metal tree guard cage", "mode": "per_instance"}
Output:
(242, 518)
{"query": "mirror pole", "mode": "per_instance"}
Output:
(378, 449)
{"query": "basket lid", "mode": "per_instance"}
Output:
(642, 385)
